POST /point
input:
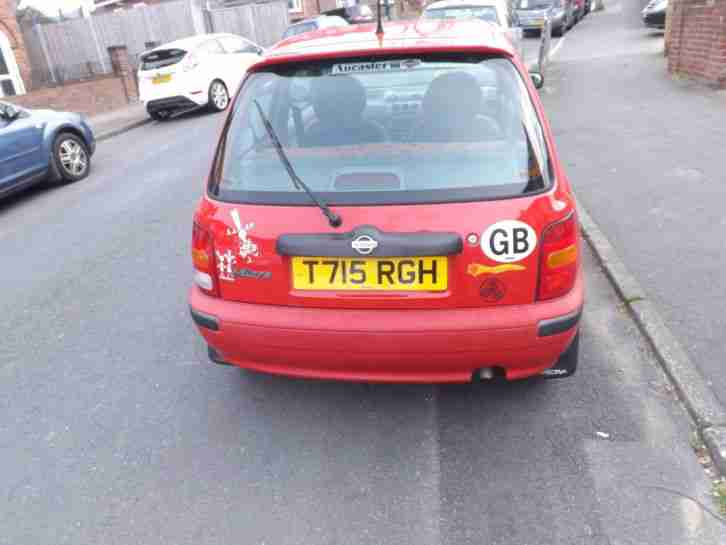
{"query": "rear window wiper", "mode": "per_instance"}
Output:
(334, 219)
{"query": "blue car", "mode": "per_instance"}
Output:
(42, 145)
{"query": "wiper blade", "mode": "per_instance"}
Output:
(334, 219)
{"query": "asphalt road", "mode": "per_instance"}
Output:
(115, 428)
(645, 152)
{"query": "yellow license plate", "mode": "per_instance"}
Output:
(375, 273)
(156, 80)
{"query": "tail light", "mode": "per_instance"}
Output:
(559, 258)
(205, 275)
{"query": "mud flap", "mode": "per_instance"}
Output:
(567, 363)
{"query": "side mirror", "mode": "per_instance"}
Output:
(260, 51)
(9, 112)
(537, 79)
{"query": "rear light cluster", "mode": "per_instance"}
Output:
(559, 259)
(205, 275)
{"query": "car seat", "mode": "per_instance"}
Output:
(451, 111)
(339, 102)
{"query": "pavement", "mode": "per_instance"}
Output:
(115, 122)
(117, 429)
(644, 151)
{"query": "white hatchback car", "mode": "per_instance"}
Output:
(193, 73)
(497, 12)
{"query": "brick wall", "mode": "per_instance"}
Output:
(86, 97)
(697, 40)
(9, 26)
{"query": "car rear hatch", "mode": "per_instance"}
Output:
(453, 206)
(421, 256)
(158, 71)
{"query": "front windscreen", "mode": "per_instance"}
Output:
(485, 13)
(393, 131)
(533, 4)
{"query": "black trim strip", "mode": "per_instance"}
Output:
(215, 356)
(419, 244)
(553, 326)
(204, 320)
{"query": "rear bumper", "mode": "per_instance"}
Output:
(411, 346)
(176, 103)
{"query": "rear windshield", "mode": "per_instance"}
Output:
(300, 29)
(485, 13)
(392, 131)
(159, 59)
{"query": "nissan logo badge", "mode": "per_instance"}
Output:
(364, 244)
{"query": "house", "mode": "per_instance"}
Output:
(14, 65)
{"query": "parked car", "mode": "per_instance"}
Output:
(389, 208)
(42, 145)
(356, 15)
(312, 24)
(654, 14)
(497, 12)
(202, 71)
(532, 14)
(493, 11)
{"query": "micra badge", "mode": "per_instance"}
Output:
(476, 269)
(256, 275)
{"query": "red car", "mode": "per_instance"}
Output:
(389, 209)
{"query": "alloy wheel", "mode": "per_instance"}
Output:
(73, 157)
(219, 95)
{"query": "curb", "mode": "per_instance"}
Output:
(100, 137)
(693, 390)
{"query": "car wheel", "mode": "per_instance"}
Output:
(218, 96)
(159, 115)
(70, 158)
(559, 31)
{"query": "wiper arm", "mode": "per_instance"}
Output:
(334, 219)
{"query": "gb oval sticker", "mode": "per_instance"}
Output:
(508, 241)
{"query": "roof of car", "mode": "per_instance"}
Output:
(191, 42)
(443, 4)
(416, 36)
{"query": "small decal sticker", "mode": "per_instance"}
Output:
(508, 241)
(248, 250)
(492, 290)
(225, 264)
(476, 269)
(368, 67)
(472, 239)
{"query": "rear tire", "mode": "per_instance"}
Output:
(218, 96)
(158, 115)
(70, 160)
